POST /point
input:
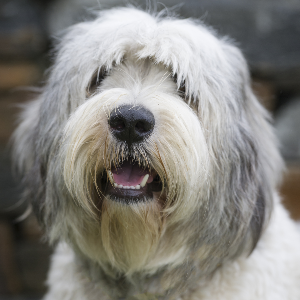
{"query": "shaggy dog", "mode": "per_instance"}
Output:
(152, 165)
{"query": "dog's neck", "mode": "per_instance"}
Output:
(137, 286)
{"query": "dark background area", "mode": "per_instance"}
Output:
(267, 31)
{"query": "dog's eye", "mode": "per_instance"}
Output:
(181, 89)
(96, 80)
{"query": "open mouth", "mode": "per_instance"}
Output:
(130, 182)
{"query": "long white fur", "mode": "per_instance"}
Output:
(218, 230)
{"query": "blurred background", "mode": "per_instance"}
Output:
(267, 31)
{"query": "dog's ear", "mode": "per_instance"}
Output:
(269, 161)
(256, 119)
(255, 162)
(24, 154)
(23, 138)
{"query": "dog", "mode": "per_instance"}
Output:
(153, 168)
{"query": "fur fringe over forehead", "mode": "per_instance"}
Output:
(172, 42)
(212, 146)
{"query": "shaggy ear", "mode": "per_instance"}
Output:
(24, 151)
(256, 164)
(269, 162)
(259, 121)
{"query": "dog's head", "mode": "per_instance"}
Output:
(147, 148)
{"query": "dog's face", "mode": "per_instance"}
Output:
(129, 156)
(147, 146)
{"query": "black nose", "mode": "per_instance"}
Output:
(131, 124)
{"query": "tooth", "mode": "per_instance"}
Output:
(126, 187)
(115, 185)
(120, 186)
(137, 187)
(132, 187)
(111, 177)
(144, 181)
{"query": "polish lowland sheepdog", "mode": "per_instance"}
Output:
(153, 168)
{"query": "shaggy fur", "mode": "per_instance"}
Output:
(216, 228)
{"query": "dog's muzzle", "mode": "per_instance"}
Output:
(130, 181)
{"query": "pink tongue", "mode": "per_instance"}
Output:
(130, 174)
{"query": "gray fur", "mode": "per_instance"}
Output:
(238, 168)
